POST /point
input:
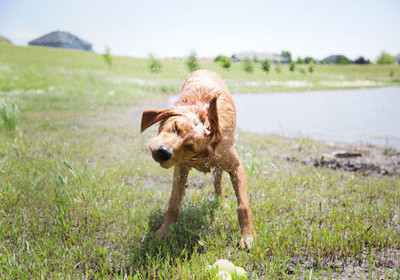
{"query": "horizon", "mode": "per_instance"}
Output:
(177, 28)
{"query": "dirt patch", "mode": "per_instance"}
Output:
(386, 266)
(366, 159)
(350, 166)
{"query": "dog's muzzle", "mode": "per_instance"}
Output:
(162, 154)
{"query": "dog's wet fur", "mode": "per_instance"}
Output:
(198, 132)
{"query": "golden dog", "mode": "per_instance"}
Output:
(198, 132)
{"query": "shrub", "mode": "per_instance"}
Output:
(192, 63)
(385, 58)
(266, 65)
(292, 66)
(311, 68)
(299, 61)
(108, 57)
(9, 113)
(225, 61)
(218, 58)
(248, 65)
(155, 65)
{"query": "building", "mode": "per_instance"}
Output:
(60, 39)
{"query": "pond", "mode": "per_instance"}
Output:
(350, 116)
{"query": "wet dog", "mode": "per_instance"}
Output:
(198, 132)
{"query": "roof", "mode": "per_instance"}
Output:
(59, 37)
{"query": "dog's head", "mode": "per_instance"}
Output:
(184, 133)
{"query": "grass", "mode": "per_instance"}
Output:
(9, 114)
(80, 196)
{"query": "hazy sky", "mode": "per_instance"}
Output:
(175, 28)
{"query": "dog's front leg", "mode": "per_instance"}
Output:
(238, 179)
(178, 191)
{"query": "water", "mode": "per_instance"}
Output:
(352, 116)
(348, 116)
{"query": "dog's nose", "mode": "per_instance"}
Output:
(162, 154)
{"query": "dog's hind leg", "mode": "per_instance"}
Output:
(178, 191)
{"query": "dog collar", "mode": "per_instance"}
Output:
(194, 159)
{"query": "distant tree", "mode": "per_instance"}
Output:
(155, 65)
(266, 65)
(108, 57)
(299, 61)
(341, 59)
(385, 58)
(192, 63)
(361, 60)
(309, 59)
(287, 54)
(248, 65)
(225, 61)
(292, 66)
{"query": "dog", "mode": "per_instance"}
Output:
(199, 132)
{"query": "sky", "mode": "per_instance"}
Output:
(175, 28)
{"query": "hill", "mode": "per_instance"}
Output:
(75, 72)
(4, 40)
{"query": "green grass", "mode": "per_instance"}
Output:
(80, 196)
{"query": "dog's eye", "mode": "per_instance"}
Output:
(176, 129)
(188, 147)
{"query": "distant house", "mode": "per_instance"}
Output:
(259, 56)
(60, 39)
(336, 59)
(397, 58)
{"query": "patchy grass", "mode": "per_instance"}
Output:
(80, 196)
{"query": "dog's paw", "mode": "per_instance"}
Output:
(246, 242)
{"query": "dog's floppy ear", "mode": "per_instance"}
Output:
(150, 117)
(213, 119)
